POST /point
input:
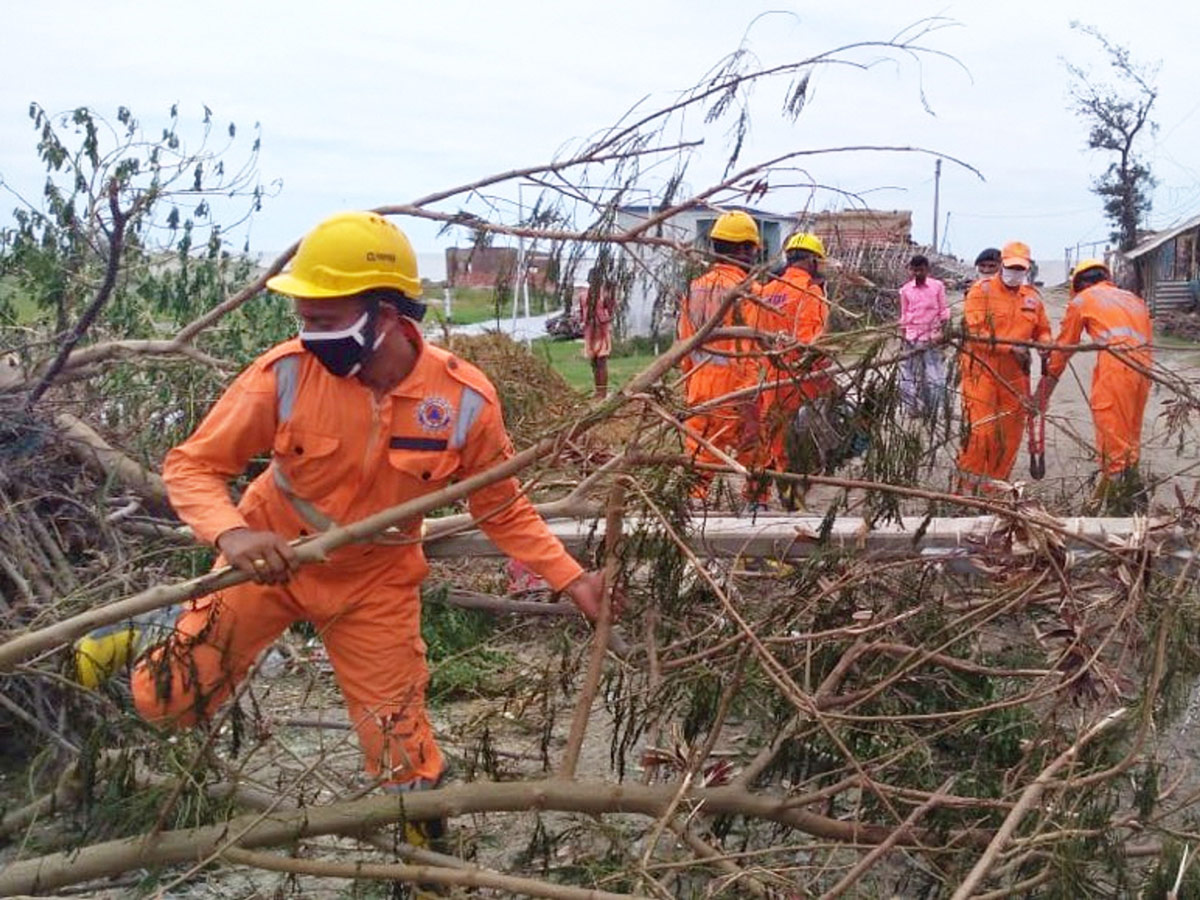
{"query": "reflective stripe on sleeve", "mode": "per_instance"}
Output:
(470, 406)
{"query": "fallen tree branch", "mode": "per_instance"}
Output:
(852, 877)
(1029, 798)
(85, 359)
(736, 875)
(93, 450)
(470, 877)
(600, 640)
(359, 817)
(505, 605)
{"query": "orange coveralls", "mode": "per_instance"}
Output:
(337, 455)
(711, 374)
(795, 308)
(1119, 391)
(995, 384)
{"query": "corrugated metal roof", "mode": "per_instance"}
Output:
(1161, 238)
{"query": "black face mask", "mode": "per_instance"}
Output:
(344, 352)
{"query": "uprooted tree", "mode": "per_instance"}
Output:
(822, 713)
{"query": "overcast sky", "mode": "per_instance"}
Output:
(363, 103)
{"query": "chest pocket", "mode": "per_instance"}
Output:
(425, 467)
(310, 462)
(1027, 324)
(997, 321)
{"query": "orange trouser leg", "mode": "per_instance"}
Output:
(996, 415)
(370, 627)
(379, 658)
(216, 640)
(777, 409)
(1119, 396)
(721, 426)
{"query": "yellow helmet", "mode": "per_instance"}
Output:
(805, 241)
(1084, 264)
(735, 227)
(347, 254)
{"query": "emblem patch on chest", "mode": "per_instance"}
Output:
(434, 413)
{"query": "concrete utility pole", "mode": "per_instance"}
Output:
(937, 183)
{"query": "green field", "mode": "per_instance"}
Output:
(471, 305)
(567, 358)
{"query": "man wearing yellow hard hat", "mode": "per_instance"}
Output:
(721, 366)
(1120, 381)
(793, 308)
(357, 414)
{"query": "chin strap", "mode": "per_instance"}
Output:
(369, 341)
(408, 308)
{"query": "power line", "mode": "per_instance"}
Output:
(1187, 115)
(1025, 215)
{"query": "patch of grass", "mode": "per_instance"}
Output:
(16, 307)
(461, 664)
(568, 360)
(469, 305)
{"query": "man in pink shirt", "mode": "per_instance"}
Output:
(923, 312)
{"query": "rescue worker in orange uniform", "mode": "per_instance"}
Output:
(358, 414)
(987, 263)
(794, 308)
(710, 372)
(995, 375)
(1120, 383)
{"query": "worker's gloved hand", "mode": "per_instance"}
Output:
(1041, 398)
(587, 592)
(263, 555)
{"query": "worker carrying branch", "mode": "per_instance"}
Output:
(998, 311)
(795, 310)
(1120, 381)
(723, 365)
(357, 415)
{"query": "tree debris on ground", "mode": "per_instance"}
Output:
(984, 722)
